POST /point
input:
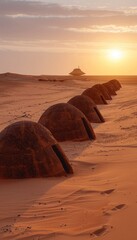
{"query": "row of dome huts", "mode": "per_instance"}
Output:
(29, 149)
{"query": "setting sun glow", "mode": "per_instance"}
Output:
(115, 54)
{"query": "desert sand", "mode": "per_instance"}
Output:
(100, 200)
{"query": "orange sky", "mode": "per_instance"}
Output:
(53, 37)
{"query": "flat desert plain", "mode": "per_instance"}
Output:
(100, 200)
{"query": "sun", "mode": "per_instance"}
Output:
(115, 54)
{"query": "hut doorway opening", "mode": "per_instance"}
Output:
(89, 133)
(104, 101)
(61, 158)
(99, 115)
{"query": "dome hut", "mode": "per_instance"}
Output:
(120, 86)
(110, 88)
(95, 95)
(103, 90)
(67, 123)
(28, 150)
(115, 84)
(88, 107)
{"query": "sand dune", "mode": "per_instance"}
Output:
(100, 200)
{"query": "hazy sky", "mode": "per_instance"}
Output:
(54, 36)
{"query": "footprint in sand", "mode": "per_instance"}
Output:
(118, 207)
(109, 191)
(99, 231)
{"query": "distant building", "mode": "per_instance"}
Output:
(77, 72)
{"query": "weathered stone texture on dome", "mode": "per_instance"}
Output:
(118, 83)
(103, 90)
(95, 95)
(115, 83)
(66, 123)
(88, 107)
(110, 88)
(27, 150)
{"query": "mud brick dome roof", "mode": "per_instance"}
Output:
(110, 87)
(88, 107)
(95, 95)
(66, 123)
(27, 150)
(103, 90)
(116, 84)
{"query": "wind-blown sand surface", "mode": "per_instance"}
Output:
(100, 199)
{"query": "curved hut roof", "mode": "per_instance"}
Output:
(27, 150)
(103, 90)
(115, 84)
(88, 107)
(77, 72)
(110, 87)
(95, 95)
(66, 123)
(118, 83)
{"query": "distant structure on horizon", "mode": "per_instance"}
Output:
(77, 72)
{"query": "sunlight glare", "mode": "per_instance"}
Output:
(115, 54)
